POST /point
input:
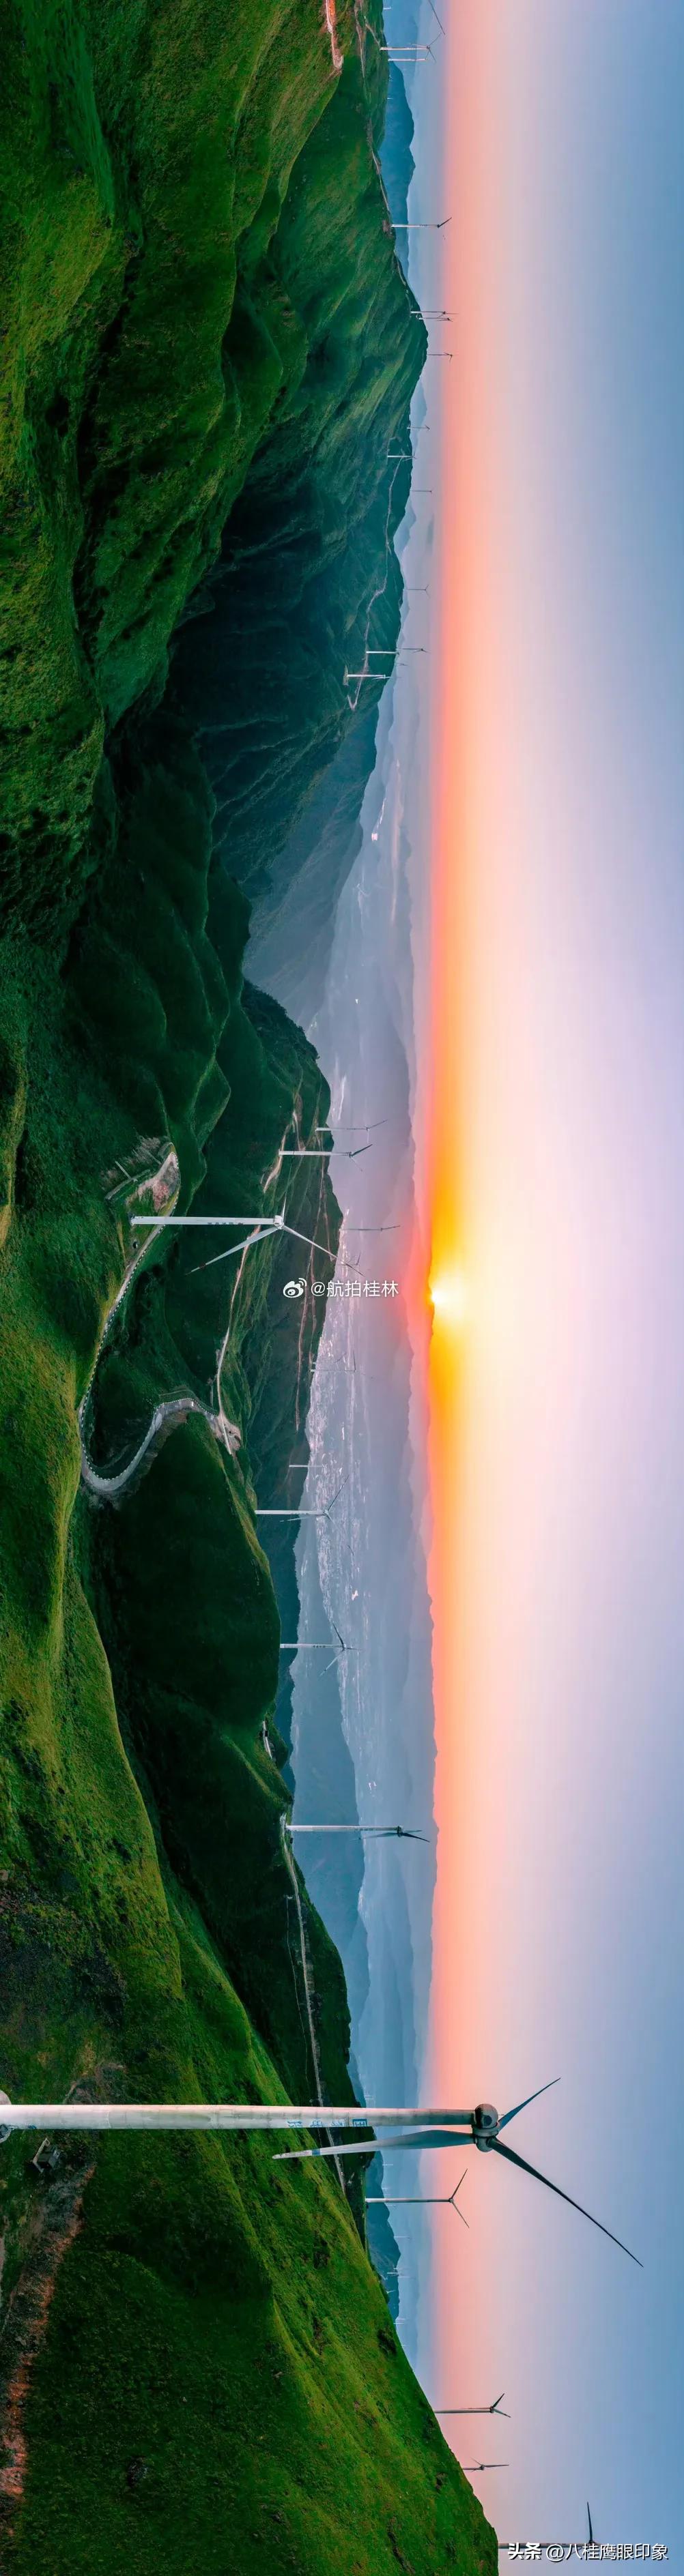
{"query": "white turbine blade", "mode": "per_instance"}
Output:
(420, 2138)
(529, 2097)
(362, 2147)
(453, 2200)
(444, 2136)
(311, 1239)
(261, 1234)
(513, 2159)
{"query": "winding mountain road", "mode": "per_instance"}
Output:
(109, 1489)
(176, 1408)
(331, 24)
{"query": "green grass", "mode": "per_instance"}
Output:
(259, 2413)
(210, 2320)
(204, 329)
(138, 150)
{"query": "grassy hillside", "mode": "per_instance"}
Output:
(198, 2368)
(150, 161)
(144, 152)
(196, 2350)
(308, 575)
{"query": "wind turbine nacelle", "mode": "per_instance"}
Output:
(485, 2124)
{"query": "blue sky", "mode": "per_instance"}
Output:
(568, 1663)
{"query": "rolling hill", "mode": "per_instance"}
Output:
(206, 353)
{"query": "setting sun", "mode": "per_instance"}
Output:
(449, 1296)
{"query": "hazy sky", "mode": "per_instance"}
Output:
(551, 1124)
(540, 888)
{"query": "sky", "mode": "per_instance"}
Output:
(550, 1133)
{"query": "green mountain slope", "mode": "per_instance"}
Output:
(192, 2347)
(143, 149)
(197, 2362)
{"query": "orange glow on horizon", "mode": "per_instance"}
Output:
(470, 684)
(449, 1294)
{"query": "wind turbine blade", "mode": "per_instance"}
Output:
(591, 2535)
(529, 2097)
(422, 2138)
(495, 2409)
(312, 1239)
(261, 1234)
(452, 2196)
(426, 2138)
(513, 2159)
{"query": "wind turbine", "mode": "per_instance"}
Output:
(414, 2200)
(417, 2127)
(472, 2468)
(318, 1153)
(313, 1646)
(272, 1223)
(480, 2128)
(261, 1228)
(382, 1833)
(268, 1225)
(495, 2409)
